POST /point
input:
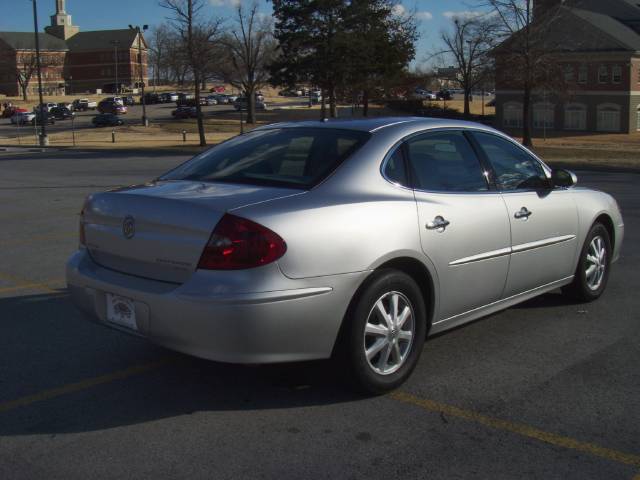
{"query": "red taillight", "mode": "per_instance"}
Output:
(238, 243)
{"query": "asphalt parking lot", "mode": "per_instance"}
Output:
(547, 390)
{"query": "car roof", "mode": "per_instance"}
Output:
(372, 125)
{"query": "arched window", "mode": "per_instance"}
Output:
(512, 115)
(575, 116)
(608, 117)
(543, 115)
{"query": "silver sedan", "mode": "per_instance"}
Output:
(352, 239)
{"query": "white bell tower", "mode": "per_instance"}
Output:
(61, 25)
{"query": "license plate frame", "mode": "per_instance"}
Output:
(121, 311)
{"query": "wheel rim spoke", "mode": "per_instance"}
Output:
(405, 335)
(379, 330)
(383, 361)
(375, 348)
(384, 314)
(406, 313)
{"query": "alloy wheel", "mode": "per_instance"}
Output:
(389, 332)
(596, 263)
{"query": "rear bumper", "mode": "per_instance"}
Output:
(252, 316)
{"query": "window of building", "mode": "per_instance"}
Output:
(568, 73)
(608, 117)
(445, 162)
(575, 116)
(616, 74)
(543, 115)
(582, 74)
(603, 74)
(515, 169)
(512, 115)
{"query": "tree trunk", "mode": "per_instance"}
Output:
(25, 96)
(467, 99)
(333, 111)
(196, 79)
(323, 107)
(526, 118)
(251, 105)
(365, 103)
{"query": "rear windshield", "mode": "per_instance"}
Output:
(289, 157)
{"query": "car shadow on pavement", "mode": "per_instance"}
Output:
(45, 344)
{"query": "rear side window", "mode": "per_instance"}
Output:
(395, 170)
(294, 157)
(514, 168)
(445, 162)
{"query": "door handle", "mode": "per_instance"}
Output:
(523, 213)
(439, 224)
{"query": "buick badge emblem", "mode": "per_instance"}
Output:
(128, 227)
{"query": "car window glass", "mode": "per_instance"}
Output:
(445, 161)
(515, 169)
(394, 168)
(299, 157)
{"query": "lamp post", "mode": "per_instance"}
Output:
(145, 121)
(44, 140)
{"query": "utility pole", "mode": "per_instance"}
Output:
(44, 140)
(145, 121)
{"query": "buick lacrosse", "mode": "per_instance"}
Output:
(299, 241)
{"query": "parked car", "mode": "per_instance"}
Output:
(45, 106)
(444, 95)
(66, 105)
(241, 104)
(118, 100)
(315, 96)
(11, 111)
(185, 112)
(491, 103)
(152, 98)
(61, 113)
(107, 120)
(128, 100)
(107, 106)
(424, 94)
(185, 99)
(290, 92)
(214, 258)
(22, 118)
(43, 117)
(211, 100)
(83, 104)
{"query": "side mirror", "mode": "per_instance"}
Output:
(563, 178)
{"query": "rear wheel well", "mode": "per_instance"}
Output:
(420, 275)
(410, 266)
(605, 220)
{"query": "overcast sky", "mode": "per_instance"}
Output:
(433, 15)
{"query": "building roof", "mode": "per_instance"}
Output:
(102, 40)
(587, 26)
(27, 41)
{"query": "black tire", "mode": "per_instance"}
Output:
(580, 289)
(351, 350)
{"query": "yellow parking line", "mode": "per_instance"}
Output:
(25, 284)
(82, 385)
(520, 429)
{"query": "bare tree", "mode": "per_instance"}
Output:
(527, 56)
(159, 51)
(250, 48)
(26, 66)
(469, 43)
(197, 37)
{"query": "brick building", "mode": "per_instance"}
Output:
(598, 55)
(73, 61)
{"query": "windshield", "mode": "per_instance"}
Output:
(290, 157)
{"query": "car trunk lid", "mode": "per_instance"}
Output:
(159, 230)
